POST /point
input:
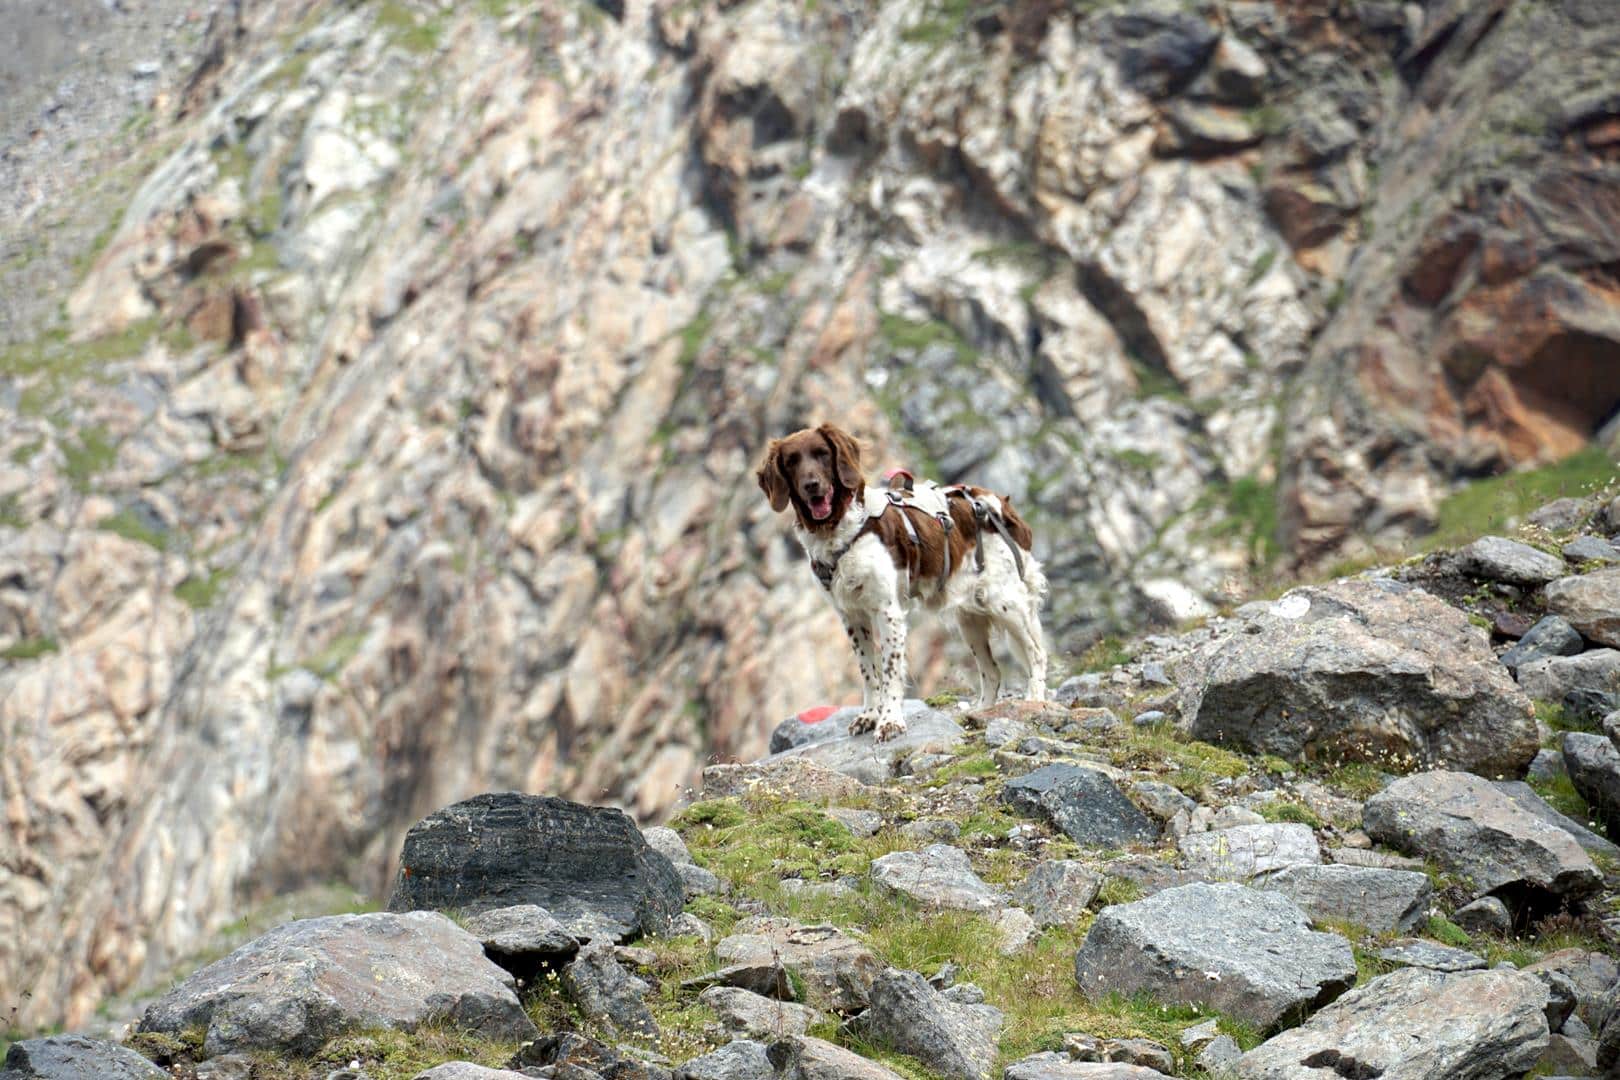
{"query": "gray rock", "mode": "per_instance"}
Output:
(1361, 670)
(1468, 826)
(806, 1058)
(931, 830)
(1591, 549)
(790, 777)
(1056, 892)
(1380, 900)
(1551, 636)
(75, 1057)
(521, 938)
(1414, 1025)
(1523, 794)
(757, 1017)
(939, 876)
(1220, 1056)
(588, 866)
(1232, 817)
(1418, 953)
(1159, 47)
(305, 982)
(957, 1041)
(1084, 804)
(798, 731)
(466, 1070)
(697, 881)
(605, 992)
(1586, 685)
(1591, 602)
(1569, 1057)
(1161, 800)
(1082, 1046)
(1087, 689)
(1592, 974)
(1561, 515)
(1594, 769)
(224, 1067)
(835, 969)
(1000, 731)
(739, 1060)
(863, 758)
(1546, 766)
(668, 843)
(1249, 851)
(1247, 953)
(860, 823)
(569, 1055)
(1051, 1065)
(1496, 558)
(1487, 915)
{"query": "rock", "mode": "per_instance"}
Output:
(739, 1060)
(1237, 72)
(1054, 1066)
(1249, 851)
(1220, 1056)
(1246, 953)
(1546, 766)
(605, 992)
(931, 830)
(1159, 47)
(1014, 929)
(466, 1070)
(1380, 900)
(835, 969)
(939, 876)
(1591, 549)
(1057, 892)
(789, 777)
(863, 758)
(1082, 803)
(1161, 800)
(753, 1016)
(1497, 558)
(588, 866)
(1594, 768)
(1552, 635)
(75, 1057)
(522, 938)
(1526, 797)
(1487, 915)
(1418, 953)
(307, 981)
(1232, 817)
(1586, 685)
(1561, 515)
(806, 1058)
(1479, 833)
(1201, 130)
(1369, 670)
(668, 843)
(813, 725)
(1144, 1052)
(1414, 1025)
(1566, 1056)
(860, 823)
(1591, 602)
(1592, 974)
(569, 1055)
(953, 1040)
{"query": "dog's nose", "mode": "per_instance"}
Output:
(812, 488)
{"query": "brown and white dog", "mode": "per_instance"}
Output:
(875, 569)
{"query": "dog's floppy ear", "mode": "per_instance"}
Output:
(846, 457)
(771, 480)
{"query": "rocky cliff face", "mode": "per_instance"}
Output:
(390, 437)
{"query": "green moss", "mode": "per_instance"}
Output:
(1493, 505)
(29, 649)
(1136, 459)
(1287, 810)
(974, 765)
(693, 335)
(200, 591)
(48, 364)
(1447, 932)
(944, 699)
(1261, 266)
(417, 34)
(11, 515)
(1104, 654)
(1161, 743)
(1250, 513)
(1357, 779)
(1116, 890)
(903, 334)
(755, 846)
(127, 524)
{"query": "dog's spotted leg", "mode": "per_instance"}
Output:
(890, 624)
(976, 632)
(860, 638)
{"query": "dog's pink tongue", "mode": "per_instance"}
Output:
(821, 508)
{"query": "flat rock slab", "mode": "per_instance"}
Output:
(806, 1058)
(1418, 953)
(1474, 830)
(869, 761)
(1380, 900)
(1244, 852)
(1591, 602)
(1249, 954)
(939, 876)
(1415, 1025)
(755, 1016)
(788, 777)
(521, 938)
(1084, 804)
(1525, 795)
(307, 981)
(954, 1040)
(1496, 558)
(75, 1057)
(466, 1070)
(742, 1059)
(1368, 670)
(1057, 892)
(794, 731)
(836, 970)
(1052, 1065)
(589, 866)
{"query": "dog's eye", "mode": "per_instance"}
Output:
(819, 455)
(792, 460)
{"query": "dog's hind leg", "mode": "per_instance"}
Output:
(1024, 636)
(976, 632)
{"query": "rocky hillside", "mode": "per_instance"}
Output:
(380, 394)
(1349, 883)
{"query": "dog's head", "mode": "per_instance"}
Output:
(817, 470)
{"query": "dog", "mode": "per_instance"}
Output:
(967, 552)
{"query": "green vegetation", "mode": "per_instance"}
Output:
(1197, 764)
(411, 32)
(693, 335)
(47, 365)
(1115, 890)
(1287, 810)
(29, 649)
(1251, 513)
(336, 656)
(1494, 504)
(200, 592)
(1105, 653)
(1447, 932)
(89, 455)
(973, 766)
(944, 21)
(127, 523)
(1357, 779)
(902, 334)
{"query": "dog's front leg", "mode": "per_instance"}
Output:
(859, 629)
(890, 625)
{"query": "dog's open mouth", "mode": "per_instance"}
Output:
(821, 507)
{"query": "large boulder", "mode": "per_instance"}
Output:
(1552, 635)
(1381, 900)
(75, 1057)
(1525, 795)
(587, 865)
(1083, 803)
(954, 1040)
(1249, 954)
(1243, 852)
(869, 761)
(1476, 831)
(1591, 602)
(939, 876)
(1587, 684)
(805, 1058)
(822, 724)
(835, 969)
(1371, 670)
(1415, 1024)
(307, 981)
(1593, 764)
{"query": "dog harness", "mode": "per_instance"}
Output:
(904, 493)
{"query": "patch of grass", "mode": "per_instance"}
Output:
(23, 454)
(414, 34)
(1104, 654)
(693, 335)
(11, 515)
(1154, 381)
(756, 846)
(91, 453)
(1163, 743)
(1251, 513)
(49, 364)
(974, 765)
(1117, 890)
(385, 1054)
(1447, 932)
(336, 656)
(1287, 810)
(127, 523)
(1136, 459)
(200, 591)
(30, 649)
(1356, 778)
(904, 335)
(1493, 505)
(1559, 718)
(943, 22)
(944, 699)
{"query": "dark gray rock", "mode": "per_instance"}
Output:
(1594, 769)
(569, 1055)
(1592, 974)
(1247, 953)
(939, 876)
(1243, 852)
(1547, 765)
(1056, 892)
(957, 1041)
(1591, 602)
(1586, 685)
(1496, 558)
(1474, 830)
(1161, 800)
(1414, 1025)
(1360, 670)
(1525, 795)
(588, 866)
(1591, 549)
(1159, 47)
(865, 759)
(1381, 900)
(1551, 636)
(1084, 804)
(305, 982)
(1487, 915)
(605, 992)
(522, 939)
(75, 1057)
(739, 1060)
(1418, 953)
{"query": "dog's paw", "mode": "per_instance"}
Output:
(890, 727)
(864, 721)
